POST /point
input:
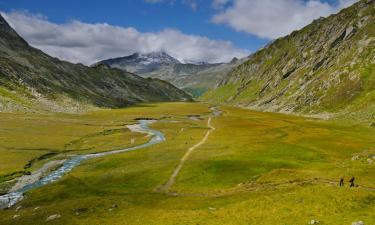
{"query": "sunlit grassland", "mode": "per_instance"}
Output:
(27, 136)
(247, 146)
(250, 171)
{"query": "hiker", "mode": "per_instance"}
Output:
(341, 182)
(352, 182)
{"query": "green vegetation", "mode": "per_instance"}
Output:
(195, 92)
(221, 94)
(326, 67)
(248, 168)
(28, 136)
(255, 168)
(34, 81)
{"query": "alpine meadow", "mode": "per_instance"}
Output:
(235, 112)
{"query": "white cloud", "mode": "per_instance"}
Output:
(219, 4)
(346, 3)
(88, 43)
(272, 19)
(193, 4)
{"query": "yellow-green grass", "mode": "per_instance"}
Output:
(26, 137)
(255, 168)
(246, 146)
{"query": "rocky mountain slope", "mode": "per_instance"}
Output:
(195, 78)
(326, 67)
(141, 63)
(30, 79)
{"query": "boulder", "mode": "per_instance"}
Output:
(356, 157)
(358, 223)
(53, 217)
(349, 32)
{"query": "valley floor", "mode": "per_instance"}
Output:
(233, 167)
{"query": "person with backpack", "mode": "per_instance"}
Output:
(351, 181)
(341, 182)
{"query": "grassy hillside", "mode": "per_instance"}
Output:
(252, 166)
(328, 66)
(32, 80)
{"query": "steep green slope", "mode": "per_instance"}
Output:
(30, 79)
(328, 66)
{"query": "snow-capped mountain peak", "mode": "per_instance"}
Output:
(153, 58)
(195, 62)
(142, 62)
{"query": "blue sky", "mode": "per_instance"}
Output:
(144, 16)
(244, 25)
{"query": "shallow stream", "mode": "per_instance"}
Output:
(10, 199)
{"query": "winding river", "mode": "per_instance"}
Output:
(10, 199)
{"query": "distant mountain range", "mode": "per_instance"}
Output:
(194, 77)
(33, 80)
(326, 67)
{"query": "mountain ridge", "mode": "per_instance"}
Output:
(326, 67)
(31, 79)
(140, 63)
(194, 77)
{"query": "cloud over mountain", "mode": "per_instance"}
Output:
(272, 19)
(87, 43)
